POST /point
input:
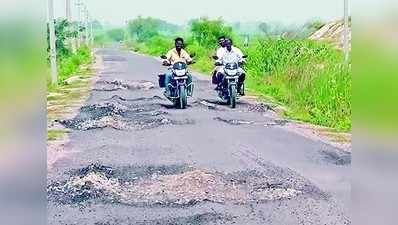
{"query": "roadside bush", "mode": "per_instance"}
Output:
(70, 65)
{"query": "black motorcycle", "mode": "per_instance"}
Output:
(179, 87)
(227, 89)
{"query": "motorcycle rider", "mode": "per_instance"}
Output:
(219, 53)
(177, 54)
(232, 52)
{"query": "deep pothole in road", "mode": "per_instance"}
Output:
(122, 114)
(114, 85)
(176, 186)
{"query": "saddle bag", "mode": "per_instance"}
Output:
(162, 78)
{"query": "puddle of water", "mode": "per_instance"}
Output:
(167, 186)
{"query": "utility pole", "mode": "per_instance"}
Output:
(91, 32)
(86, 25)
(68, 10)
(68, 14)
(346, 33)
(78, 4)
(53, 50)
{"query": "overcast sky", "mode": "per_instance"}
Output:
(117, 12)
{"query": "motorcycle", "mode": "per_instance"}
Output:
(227, 89)
(180, 90)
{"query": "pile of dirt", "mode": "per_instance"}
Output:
(332, 32)
(178, 188)
(122, 114)
(114, 85)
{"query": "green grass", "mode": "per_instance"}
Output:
(70, 65)
(55, 133)
(307, 77)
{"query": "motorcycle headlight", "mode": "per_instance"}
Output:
(180, 72)
(231, 72)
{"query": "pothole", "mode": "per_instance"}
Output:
(260, 107)
(234, 121)
(114, 58)
(121, 115)
(206, 104)
(336, 157)
(196, 219)
(173, 186)
(105, 85)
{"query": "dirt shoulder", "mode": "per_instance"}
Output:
(64, 103)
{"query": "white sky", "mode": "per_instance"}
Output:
(116, 12)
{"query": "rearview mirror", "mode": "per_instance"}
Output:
(163, 57)
(245, 56)
(215, 57)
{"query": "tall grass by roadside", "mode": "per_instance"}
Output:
(70, 65)
(307, 76)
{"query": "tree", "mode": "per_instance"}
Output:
(264, 27)
(206, 32)
(63, 31)
(116, 34)
(143, 28)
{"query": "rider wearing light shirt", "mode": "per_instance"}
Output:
(231, 53)
(177, 54)
(219, 54)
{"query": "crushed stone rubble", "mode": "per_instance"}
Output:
(183, 188)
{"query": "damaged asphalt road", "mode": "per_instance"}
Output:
(133, 159)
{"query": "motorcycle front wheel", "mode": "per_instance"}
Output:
(232, 96)
(183, 97)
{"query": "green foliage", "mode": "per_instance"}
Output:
(314, 24)
(68, 62)
(206, 32)
(70, 65)
(116, 34)
(143, 28)
(63, 31)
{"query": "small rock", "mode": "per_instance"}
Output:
(70, 80)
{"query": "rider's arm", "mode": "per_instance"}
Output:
(186, 56)
(169, 55)
(240, 55)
